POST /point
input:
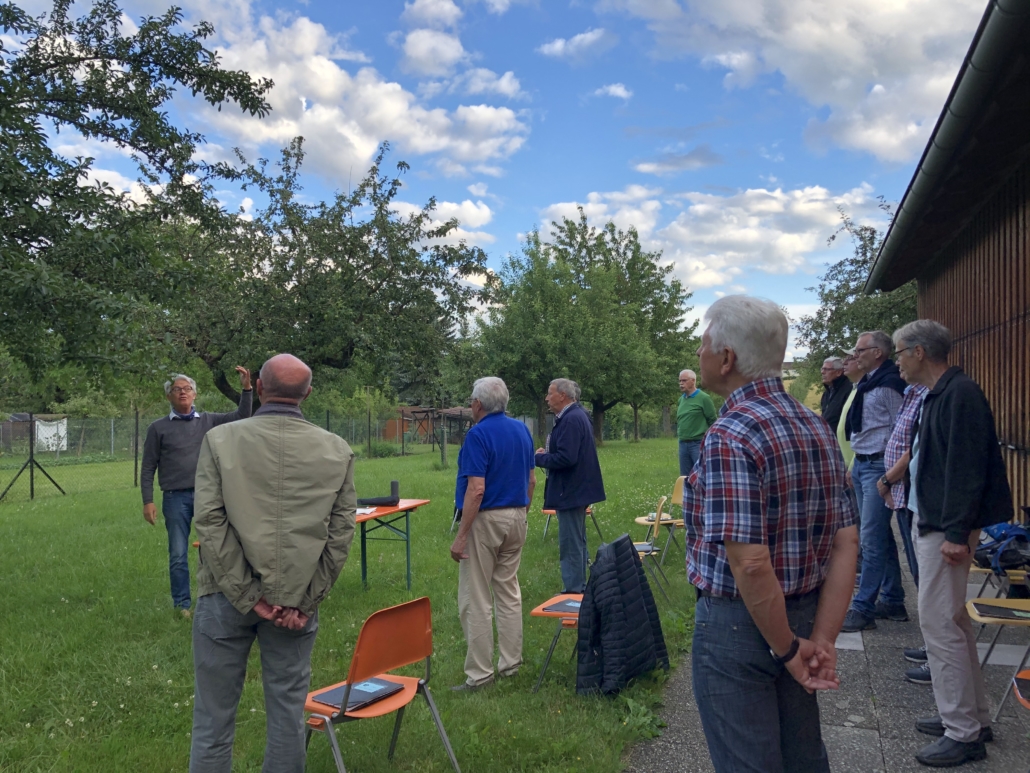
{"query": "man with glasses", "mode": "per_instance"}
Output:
(172, 448)
(868, 426)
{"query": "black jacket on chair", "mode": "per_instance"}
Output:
(620, 635)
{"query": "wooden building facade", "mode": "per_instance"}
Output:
(962, 230)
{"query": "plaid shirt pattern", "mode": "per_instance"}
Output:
(770, 473)
(901, 438)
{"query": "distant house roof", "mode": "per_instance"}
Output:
(980, 138)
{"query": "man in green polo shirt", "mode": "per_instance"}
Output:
(694, 415)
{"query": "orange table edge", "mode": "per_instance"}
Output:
(384, 518)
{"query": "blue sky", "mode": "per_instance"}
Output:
(728, 132)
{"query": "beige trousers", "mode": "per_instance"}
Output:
(494, 548)
(958, 683)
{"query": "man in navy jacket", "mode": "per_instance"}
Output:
(573, 479)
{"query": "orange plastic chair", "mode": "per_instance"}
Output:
(390, 638)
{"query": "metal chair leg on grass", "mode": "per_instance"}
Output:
(547, 660)
(435, 714)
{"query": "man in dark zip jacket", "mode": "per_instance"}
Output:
(573, 479)
(958, 486)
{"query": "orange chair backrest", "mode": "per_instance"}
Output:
(677, 490)
(391, 638)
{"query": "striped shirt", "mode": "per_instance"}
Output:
(880, 408)
(770, 473)
(901, 438)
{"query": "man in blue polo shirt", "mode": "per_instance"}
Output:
(495, 486)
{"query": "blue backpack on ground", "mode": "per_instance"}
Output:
(1006, 547)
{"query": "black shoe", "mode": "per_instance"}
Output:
(919, 674)
(856, 621)
(466, 687)
(895, 612)
(915, 654)
(947, 753)
(935, 726)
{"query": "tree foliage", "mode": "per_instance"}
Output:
(845, 310)
(80, 279)
(591, 305)
(341, 284)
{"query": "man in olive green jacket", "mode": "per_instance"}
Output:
(274, 510)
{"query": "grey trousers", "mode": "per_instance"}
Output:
(222, 639)
(958, 683)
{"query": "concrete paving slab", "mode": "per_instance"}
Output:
(851, 705)
(853, 749)
(850, 641)
(1010, 655)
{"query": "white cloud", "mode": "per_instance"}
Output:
(478, 189)
(432, 13)
(578, 47)
(345, 114)
(674, 162)
(724, 240)
(617, 90)
(471, 214)
(882, 68)
(484, 81)
(432, 52)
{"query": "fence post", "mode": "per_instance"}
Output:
(135, 453)
(400, 421)
(32, 456)
(327, 420)
(443, 443)
(112, 437)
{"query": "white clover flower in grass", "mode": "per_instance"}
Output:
(175, 705)
(28, 724)
(169, 681)
(52, 735)
(154, 667)
(69, 723)
(82, 719)
(94, 704)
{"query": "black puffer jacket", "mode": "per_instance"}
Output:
(620, 635)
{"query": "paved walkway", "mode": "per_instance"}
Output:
(868, 723)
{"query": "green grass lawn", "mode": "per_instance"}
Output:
(96, 670)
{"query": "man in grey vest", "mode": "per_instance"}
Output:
(171, 448)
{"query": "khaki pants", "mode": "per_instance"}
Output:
(494, 548)
(958, 683)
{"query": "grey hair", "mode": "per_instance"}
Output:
(692, 374)
(754, 328)
(881, 341)
(835, 362)
(567, 387)
(492, 394)
(179, 377)
(932, 336)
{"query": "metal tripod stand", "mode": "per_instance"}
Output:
(32, 465)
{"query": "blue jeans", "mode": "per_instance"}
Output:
(904, 516)
(177, 507)
(755, 717)
(881, 570)
(572, 548)
(222, 638)
(690, 450)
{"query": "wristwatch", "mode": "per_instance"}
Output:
(885, 481)
(789, 656)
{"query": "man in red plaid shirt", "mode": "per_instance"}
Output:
(771, 549)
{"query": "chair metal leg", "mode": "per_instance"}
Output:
(658, 564)
(333, 745)
(990, 649)
(594, 519)
(396, 732)
(658, 583)
(547, 660)
(307, 735)
(439, 726)
(547, 524)
(1008, 687)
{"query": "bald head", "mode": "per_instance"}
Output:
(284, 379)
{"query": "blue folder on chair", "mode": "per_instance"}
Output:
(361, 694)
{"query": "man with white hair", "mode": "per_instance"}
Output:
(868, 425)
(958, 485)
(496, 478)
(172, 448)
(695, 413)
(771, 549)
(836, 388)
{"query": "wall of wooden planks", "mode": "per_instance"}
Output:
(980, 289)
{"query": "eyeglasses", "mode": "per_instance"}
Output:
(899, 351)
(180, 390)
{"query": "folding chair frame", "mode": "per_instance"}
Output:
(590, 512)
